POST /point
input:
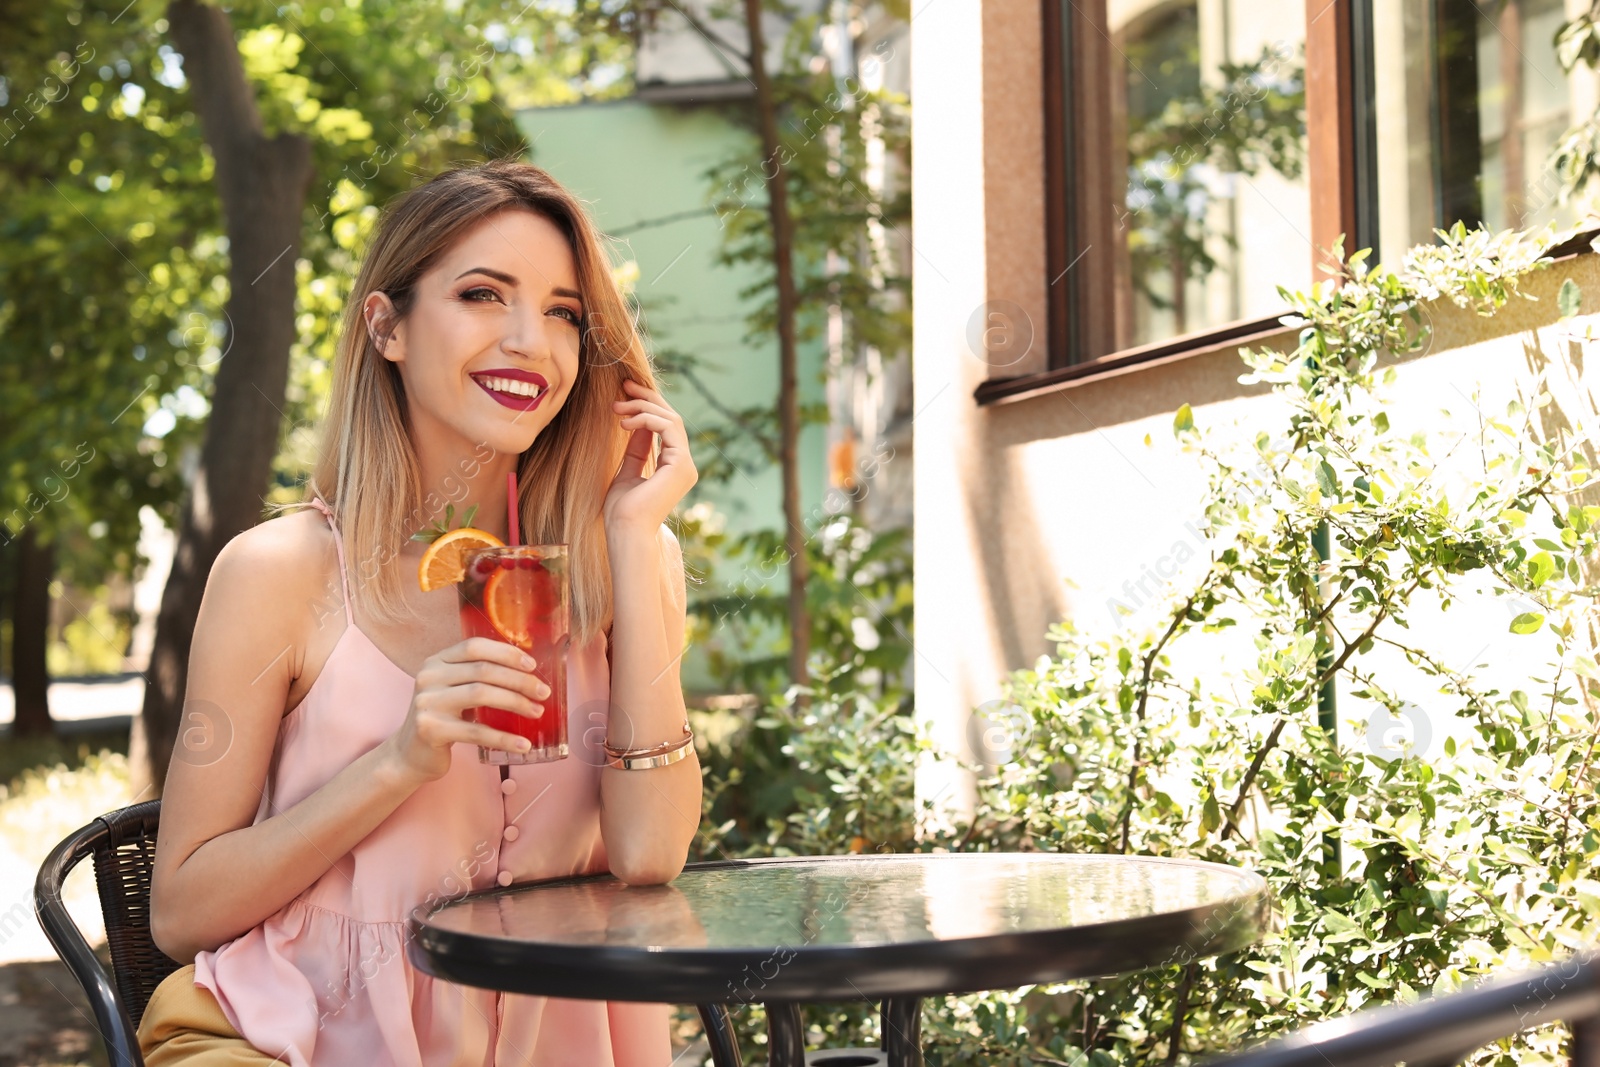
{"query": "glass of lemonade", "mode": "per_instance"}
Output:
(520, 594)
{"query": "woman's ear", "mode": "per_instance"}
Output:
(381, 319)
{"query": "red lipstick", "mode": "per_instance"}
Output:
(502, 384)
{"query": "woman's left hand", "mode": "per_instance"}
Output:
(634, 500)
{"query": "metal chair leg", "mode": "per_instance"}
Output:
(720, 1037)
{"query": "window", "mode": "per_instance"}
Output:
(1190, 116)
(1471, 106)
(1201, 153)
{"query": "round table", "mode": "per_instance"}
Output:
(893, 928)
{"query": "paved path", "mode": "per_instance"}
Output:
(76, 705)
(84, 703)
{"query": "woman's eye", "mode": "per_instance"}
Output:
(568, 314)
(468, 295)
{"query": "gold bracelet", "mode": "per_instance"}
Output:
(662, 755)
(642, 763)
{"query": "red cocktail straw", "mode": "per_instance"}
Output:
(511, 506)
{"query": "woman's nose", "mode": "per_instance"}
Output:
(527, 333)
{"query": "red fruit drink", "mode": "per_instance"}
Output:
(520, 594)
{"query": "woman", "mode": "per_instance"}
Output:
(339, 786)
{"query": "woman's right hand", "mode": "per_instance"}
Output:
(474, 672)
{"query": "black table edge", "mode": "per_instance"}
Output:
(859, 971)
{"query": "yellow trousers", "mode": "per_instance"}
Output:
(183, 1026)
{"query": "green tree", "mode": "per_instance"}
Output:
(798, 204)
(105, 257)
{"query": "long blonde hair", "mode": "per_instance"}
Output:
(367, 472)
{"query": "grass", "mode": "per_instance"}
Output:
(19, 756)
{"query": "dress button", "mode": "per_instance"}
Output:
(504, 878)
(511, 833)
(508, 786)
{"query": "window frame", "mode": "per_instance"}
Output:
(1340, 168)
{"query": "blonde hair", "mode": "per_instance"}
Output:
(367, 472)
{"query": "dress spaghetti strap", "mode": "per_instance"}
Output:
(344, 576)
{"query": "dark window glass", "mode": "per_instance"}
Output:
(1470, 106)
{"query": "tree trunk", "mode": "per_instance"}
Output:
(262, 182)
(30, 634)
(772, 169)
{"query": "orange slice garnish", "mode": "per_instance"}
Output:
(508, 599)
(445, 561)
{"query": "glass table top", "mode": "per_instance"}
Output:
(848, 901)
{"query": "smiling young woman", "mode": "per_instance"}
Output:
(486, 336)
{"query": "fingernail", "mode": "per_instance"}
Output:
(528, 662)
(523, 744)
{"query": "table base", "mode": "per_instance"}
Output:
(900, 1018)
(718, 1026)
(901, 1022)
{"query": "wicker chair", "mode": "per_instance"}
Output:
(122, 845)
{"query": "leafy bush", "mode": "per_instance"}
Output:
(1197, 734)
(830, 773)
(1393, 874)
(858, 596)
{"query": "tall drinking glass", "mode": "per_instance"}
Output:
(521, 594)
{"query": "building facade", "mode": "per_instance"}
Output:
(1107, 195)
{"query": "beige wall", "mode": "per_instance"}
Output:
(1030, 511)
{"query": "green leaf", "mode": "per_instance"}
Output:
(1528, 622)
(1327, 480)
(1570, 299)
(1338, 923)
(1183, 421)
(1210, 815)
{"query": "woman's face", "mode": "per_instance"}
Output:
(489, 350)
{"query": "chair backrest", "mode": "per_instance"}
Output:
(122, 845)
(122, 870)
(1444, 1030)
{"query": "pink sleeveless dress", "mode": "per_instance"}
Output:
(325, 981)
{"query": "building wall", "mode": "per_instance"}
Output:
(1047, 508)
